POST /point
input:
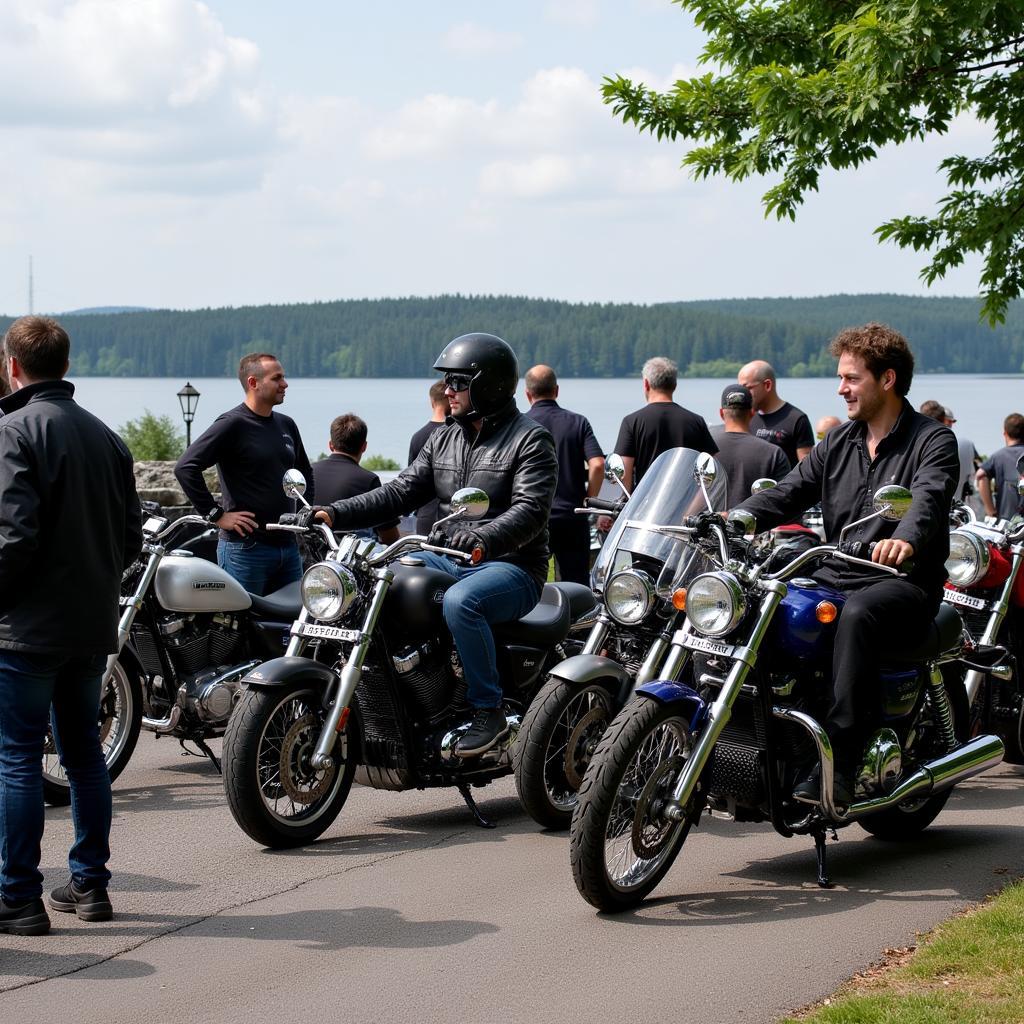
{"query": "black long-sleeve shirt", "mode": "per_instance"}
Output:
(252, 454)
(918, 453)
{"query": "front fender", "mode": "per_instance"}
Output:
(665, 691)
(284, 670)
(588, 668)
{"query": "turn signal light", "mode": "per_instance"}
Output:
(343, 720)
(826, 612)
(679, 599)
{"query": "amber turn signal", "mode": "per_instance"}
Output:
(826, 612)
(679, 599)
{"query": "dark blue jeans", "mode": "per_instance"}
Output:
(260, 568)
(485, 594)
(29, 684)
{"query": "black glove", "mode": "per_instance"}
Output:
(306, 517)
(703, 521)
(469, 541)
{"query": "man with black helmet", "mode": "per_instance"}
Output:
(487, 443)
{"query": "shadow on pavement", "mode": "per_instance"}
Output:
(29, 963)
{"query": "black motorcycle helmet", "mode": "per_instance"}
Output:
(491, 364)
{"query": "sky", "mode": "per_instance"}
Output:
(176, 154)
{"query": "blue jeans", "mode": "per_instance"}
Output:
(260, 568)
(485, 594)
(29, 684)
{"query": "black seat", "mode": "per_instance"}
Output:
(943, 633)
(581, 598)
(544, 624)
(282, 605)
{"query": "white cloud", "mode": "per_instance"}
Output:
(528, 179)
(435, 125)
(577, 13)
(469, 39)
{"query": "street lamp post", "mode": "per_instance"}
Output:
(189, 399)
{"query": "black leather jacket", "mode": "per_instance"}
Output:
(512, 458)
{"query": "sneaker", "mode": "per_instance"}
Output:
(88, 904)
(24, 919)
(808, 789)
(488, 727)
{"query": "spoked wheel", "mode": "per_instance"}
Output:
(559, 734)
(120, 718)
(621, 842)
(274, 793)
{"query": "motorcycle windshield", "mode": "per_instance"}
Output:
(667, 494)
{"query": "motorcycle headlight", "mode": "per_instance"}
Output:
(968, 558)
(629, 596)
(715, 603)
(328, 590)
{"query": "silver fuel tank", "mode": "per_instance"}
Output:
(185, 583)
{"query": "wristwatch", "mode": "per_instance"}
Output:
(214, 514)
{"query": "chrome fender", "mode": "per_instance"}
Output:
(665, 691)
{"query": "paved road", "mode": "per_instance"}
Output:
(407, 912)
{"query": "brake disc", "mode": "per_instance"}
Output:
(650, 828)
(303, 784)
(580, 747)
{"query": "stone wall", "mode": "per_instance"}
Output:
(155, 482)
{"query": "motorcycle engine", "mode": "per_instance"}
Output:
(882, 764)
(196, 642)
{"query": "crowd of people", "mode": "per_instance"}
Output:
(68, 506)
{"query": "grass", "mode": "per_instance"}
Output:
(970, 970)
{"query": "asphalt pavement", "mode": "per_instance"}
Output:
(407, 912)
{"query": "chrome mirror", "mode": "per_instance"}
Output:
(764, 483)
(1020, 474)
(746, 520)
(614, 469)
(470, 503)
(294, 484)
(892, 502)
(705, 469)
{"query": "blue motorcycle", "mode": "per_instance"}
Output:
(737, 740)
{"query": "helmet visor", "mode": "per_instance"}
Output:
(457, 381)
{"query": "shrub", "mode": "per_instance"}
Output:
(152, 437)
(376, 462)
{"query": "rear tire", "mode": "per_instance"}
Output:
(120, 718)
(557, 739)
(620, 846)
(275, 795)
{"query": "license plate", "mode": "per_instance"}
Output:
(702, 643)
(314, 631)
(956, 597)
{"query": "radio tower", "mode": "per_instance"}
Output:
(31, 289)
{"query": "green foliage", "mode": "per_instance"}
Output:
(377, 462)
(805, 85)
(152, 437)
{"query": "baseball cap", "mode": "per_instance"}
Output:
(736, 396)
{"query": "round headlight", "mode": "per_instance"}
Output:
(968, 558)
(715, 603)
(629, 596)
(328, 589)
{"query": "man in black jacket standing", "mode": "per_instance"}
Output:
(884, 442)
(252, 447)
(70, 524)
(488, 444)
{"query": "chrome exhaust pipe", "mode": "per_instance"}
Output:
(162, 726)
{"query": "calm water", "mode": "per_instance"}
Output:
(395, 408)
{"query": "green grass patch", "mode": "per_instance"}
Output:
(970, 970)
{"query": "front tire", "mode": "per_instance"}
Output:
(557, 739)
(620, 845)
(275, 795)
(120, 719)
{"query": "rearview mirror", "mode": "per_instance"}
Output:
(294, 484)
(613, 467)
(764, 483)
(470, 503)
(892, 502)
(705, 469)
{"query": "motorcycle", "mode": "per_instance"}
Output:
(738, 740)
(188, 632)
(634, 576)
(986, 586)
(371, 688)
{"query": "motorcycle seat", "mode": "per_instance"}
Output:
(544, 624)
(943, 633)
(282, 605)
(581, 598)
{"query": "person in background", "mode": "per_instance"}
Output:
(743, 457)
(1001, 467)
(825, 424)
(580, 473)
(661, 424)
(775, 420)
(70, 525)
(252, 447)
(966, 453)
(439, 412)
(340, 476)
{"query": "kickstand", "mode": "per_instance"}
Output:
(471, 804)
(819, 848)
(201, 744)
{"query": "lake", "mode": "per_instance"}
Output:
(395, 408)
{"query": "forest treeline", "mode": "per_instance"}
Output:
(402, 337)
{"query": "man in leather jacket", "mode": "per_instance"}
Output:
(884, 442)
(487, 443)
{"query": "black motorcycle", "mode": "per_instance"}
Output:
(371, 688)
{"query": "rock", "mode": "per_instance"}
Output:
(155, 481)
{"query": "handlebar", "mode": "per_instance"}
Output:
(604, 505)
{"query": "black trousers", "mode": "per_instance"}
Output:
(878, 618)
(570, 544)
